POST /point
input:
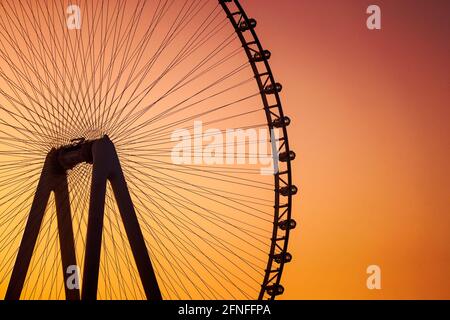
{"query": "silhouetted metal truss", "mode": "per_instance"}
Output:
(106, 167)
(284, 188)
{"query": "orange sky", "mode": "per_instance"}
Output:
(370, 127)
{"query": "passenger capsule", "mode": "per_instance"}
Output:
(282, 257)
(258, 57)
(285, 156)
(275, 290)
(244, 25)
(287, 224)
(273, 88)
(289, 191)
(281, 122)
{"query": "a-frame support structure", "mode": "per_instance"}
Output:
(102, 155)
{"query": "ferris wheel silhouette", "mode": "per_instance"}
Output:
(87, 117)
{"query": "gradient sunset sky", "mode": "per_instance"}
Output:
(371, 115)
(370, 127)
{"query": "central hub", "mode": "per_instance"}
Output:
(79, 151)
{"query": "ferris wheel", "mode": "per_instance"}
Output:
(144, 152)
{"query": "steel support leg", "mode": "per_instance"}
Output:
(134, 232)
(100, 173)
(65, 230)
(107, 167)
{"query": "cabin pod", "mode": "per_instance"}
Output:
(289, 190)
(287, 224)
(247, 25)
(281, 122)
(275, 290)
(273, 88)
(285, 156)
(264, 56)
(282, 257)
